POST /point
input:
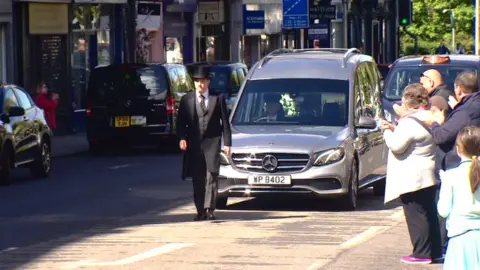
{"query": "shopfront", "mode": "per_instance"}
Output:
(211, 31)
(257, 43)
(178, 25)
(60, 43)
(6, 59)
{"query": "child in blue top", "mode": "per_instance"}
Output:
(459, 203)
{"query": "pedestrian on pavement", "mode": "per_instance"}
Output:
(411, 174)
(202, 120)
(460, 49)
(460, 203)
(466, 112)
(48, 103)
(442, 49)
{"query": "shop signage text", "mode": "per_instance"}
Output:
(253, 19)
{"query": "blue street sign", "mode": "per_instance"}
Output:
(295, 14)
(253, 19)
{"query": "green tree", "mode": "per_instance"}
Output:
(431, 25)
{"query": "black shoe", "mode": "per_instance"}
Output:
(439, 260)
(211, 216)
(200, 217)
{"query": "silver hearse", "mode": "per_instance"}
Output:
(307, 122)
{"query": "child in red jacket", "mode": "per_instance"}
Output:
(49, 106)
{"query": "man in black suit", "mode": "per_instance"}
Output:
(202, 120)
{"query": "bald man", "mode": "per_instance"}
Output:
(432, 80)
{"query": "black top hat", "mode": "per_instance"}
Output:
(200, 72)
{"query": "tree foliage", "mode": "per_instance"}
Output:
(431, 25)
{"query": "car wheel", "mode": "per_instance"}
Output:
(6, 166)
(222, 202)
(349, 201)
(42, 165)
(379, 188)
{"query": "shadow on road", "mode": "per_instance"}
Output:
(88, 196)
(366, 202)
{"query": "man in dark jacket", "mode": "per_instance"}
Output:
(466, 112)
(202, 122)
(442, 49)
(432, 81)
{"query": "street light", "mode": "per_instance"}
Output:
(452, 23)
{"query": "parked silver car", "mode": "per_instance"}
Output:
(307, 122)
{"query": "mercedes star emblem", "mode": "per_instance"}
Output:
(269, 163)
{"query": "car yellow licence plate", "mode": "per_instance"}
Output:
(122, 121)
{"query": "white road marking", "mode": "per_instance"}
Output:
(362, 237)
(398, 216)
(8, 249)
(116, 167)
(352, 242)
(139, 257)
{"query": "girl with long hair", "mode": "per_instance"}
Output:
(459, 203)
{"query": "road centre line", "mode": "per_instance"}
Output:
(167, 248)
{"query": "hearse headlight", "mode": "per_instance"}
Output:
(224, 159)
(329, 156)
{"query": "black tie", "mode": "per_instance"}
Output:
(202, 104)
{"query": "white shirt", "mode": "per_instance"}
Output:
(199, 99)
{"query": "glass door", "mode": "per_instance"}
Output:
(3, 60)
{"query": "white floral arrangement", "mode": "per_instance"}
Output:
(288, 105)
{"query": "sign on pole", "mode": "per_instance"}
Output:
(295, 14)
(253, 19)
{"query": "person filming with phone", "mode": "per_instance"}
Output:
(201, 123)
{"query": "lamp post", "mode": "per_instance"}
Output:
(452, 22)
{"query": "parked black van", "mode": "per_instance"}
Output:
(132, 104)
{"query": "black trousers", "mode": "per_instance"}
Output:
(422, 220)
(205, 185)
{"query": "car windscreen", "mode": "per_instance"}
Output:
(312, 102)
(111, 84)
(221, 79)
(402, 76)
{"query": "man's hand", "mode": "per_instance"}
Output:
(452, 102)
(399, 110)
(183, 145)
(436, 116)
(386, 125)
(226, 150)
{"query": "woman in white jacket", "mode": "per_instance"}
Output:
(411, 174)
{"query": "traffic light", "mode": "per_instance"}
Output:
(405, 10)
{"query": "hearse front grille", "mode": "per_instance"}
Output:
(287, 162)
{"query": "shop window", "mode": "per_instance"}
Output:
(91, 45)
(3, 62)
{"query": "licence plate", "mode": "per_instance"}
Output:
(138, 120)
(269, 180)
(122, 121)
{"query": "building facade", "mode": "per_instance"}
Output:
(6, 42)
(59, 42)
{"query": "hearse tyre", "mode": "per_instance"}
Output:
(349, 200)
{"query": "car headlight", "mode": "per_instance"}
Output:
(224, 159)
(329, 156)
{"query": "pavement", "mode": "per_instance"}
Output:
(67, 145)
(131, 211)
